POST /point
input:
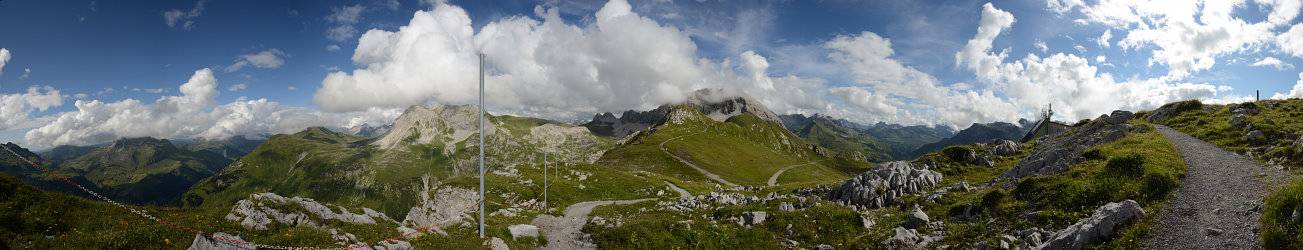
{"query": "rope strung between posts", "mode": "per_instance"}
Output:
(208, 235)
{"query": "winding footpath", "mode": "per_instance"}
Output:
(694, 166)
(773, 180)
(567, 232)
(682, 193)
(1218, 203)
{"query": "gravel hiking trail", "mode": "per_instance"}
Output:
(694, 166)
(773, 180)
(567, 232)
(682, 193)
(1218, 203)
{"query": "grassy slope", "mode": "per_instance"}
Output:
(1278, 230)
(362, 176)
(1142, 166)
(743, 150)
(827, 134)
(31, 214)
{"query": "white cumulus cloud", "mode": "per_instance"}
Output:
(4, 58)
(16, 109)
(235, 87)
(1291, 41)
(1297, 92)
(1188, 36)
(619, 61)
(895, 93)
(1075, 87)
(1273, 62)
(194, 113)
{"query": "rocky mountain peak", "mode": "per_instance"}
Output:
(424, 125)
(682, 114)
(721, 104)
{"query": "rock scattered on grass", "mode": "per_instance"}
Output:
(1100, 225)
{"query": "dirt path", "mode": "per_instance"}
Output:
(773, 180)
(1218, 204)
(567, 232)
(682, 193)
(694, 166)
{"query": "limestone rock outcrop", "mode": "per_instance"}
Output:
(1102, 224)
(1053, 154)
(884, 184)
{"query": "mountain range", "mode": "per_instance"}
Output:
(137, 170)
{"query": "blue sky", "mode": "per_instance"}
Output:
(85, 72)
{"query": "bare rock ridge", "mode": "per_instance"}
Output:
(426, 125)
(718, 104)
(1055, 152)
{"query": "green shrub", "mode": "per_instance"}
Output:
(1278, 229)
(1187, 106)
(1092, 154)
(1131, 164)
(992, 199)
(1159, 185)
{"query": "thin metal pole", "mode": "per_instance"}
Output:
(482, 197)
(544, 178)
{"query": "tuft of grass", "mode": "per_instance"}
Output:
(1278, 228)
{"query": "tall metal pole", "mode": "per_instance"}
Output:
(545, 178)
(482, 197)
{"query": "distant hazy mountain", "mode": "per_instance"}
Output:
(136, 170)
(717, 104)
(839, 135)
(230, 148)
(973, 134)
(907, 139)
(66, 152)
(368, 130)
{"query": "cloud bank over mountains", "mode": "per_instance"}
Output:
(192, 114)
(618, 59)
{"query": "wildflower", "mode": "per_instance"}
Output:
(168, 241)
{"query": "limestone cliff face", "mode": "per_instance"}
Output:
(444, 123)
(720, 105)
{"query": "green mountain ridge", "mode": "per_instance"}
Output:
(436, 143)
(743, 149)
(975, 133)
(143, 170)
(832, 135)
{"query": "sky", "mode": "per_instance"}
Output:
(89, 72)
